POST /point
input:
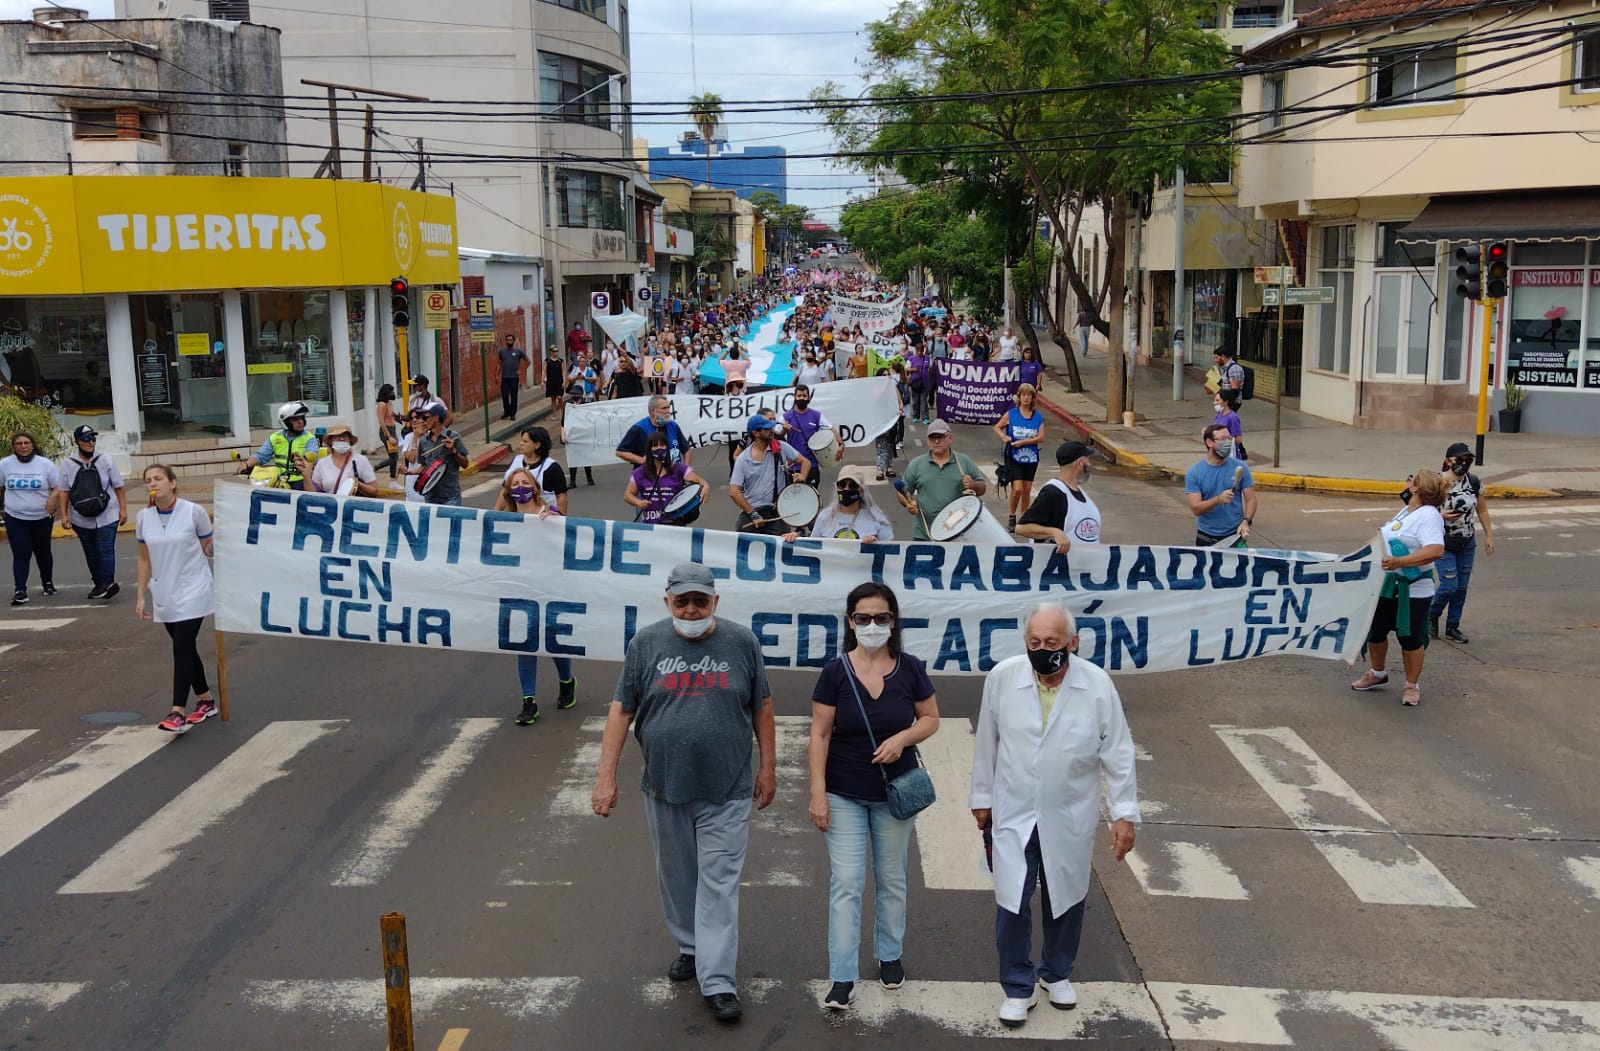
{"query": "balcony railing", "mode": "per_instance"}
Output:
(1256, 19)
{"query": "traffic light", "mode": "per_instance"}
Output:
(1469, 272)
(400, 302)
(1499, 262)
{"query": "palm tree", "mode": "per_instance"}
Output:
(706, 113)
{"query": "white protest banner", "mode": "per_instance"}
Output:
(870, 316)
(315, 566)
(622, 329)
(861, 409)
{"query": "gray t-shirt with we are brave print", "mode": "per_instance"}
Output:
(694, 703)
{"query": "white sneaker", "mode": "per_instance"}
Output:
(1015, 1011)
(1063, 997)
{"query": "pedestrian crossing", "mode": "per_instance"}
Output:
(1368, 861)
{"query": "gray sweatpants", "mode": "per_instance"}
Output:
(699, 858)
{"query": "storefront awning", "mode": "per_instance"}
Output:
(1534, 215)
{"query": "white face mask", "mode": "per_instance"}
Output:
(340, 447)
(692, 629)
(873, 636)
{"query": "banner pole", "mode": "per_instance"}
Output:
(222, 676)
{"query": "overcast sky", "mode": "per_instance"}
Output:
(742, 50)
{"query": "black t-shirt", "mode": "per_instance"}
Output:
(628, 384)
(1049, 508)
(850, 771)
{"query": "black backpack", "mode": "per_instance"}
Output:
(88, 494)
(1248, 388)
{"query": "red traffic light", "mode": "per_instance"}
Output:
(399, 287)
(1498, 252)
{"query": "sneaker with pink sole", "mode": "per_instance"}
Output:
(204, 710)
(1411, 696)
(1372, 680)
(174, 723)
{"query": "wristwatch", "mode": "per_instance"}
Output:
(1249, 522)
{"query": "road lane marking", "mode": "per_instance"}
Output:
(573, 796)
(38, 995)
(7, 648)
(143, 853)
(43, 798)
(403, 815)
(361, 999)
(969, 1008)
(1184, 870)
(786, 833)
(948, 840)
(1363, 848)
(37, 625)
(1585, 872)
(454, 1039)
(11, 738)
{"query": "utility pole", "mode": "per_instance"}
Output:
(332, 163)
(1180, 299)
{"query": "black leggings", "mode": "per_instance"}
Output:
(30, 540)
(187, 669)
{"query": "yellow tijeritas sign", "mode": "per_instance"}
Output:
(67, 235)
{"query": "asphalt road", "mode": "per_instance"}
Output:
(1318, 868)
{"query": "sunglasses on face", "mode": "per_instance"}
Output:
(848, 487)
(696, 599)
(882, 620)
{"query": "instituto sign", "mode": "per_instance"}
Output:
(78, 235)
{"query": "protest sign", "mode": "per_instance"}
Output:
(861, 409)
(316, 566)
(865, 314)
(975, 391)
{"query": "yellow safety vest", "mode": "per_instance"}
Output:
(283, 451)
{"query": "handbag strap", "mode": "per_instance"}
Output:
(850, 674)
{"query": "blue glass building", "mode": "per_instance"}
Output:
(743, 171)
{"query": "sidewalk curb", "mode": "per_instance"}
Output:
(1277, 480)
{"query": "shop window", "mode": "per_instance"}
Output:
(1405, 300)
(576, 91)
(1404, 76)
(1543, 334)
(1586, 61)
(1337, 271)
(588, 199)
(288, 341)
(53, 352)
(181, 374)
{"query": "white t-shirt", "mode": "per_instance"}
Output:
(1008, 349)
(1417, 529)
(110, 478)
(28, 486)
(328, 478)
(407, 440)
(180, 573)
(683, 377)
(811, 375)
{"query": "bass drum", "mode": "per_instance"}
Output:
(684, 507)
(965, 521)
(798, 505)
(822, 445)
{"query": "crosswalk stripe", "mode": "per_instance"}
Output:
(47, 624)
(41, 799)
(1379, 866)
(362, 999)
(948, 841)
(7, 648)
(1177, 869)
(140, 855)
(45, 995)
(785, 826)
(1585, 872)
(11, 738)
(403, 815)
(969, 1008)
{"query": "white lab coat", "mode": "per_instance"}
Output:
(1048, 776)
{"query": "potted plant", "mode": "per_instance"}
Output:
(1511, 415)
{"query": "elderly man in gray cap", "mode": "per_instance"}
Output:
(695, 689)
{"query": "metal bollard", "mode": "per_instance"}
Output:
(397, 981)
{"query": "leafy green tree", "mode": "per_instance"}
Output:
(1072, 100)
(705, 111)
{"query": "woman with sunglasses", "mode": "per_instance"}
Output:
(871, 707)
(853, 515)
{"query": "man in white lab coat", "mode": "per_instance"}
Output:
(1050, 725)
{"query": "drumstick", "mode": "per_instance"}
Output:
(900, 487)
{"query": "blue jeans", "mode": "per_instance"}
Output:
(100, 552)
(852, 824)
(1083, 341)
(528, 672)
(1454, 570)
(1013, 935)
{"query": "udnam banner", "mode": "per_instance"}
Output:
(314, 566)
(975, 391)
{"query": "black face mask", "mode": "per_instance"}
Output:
(849, 497)
(1460, 468)
(1048, 662)
(801, 404)
(24, 459)
(1405, 495)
